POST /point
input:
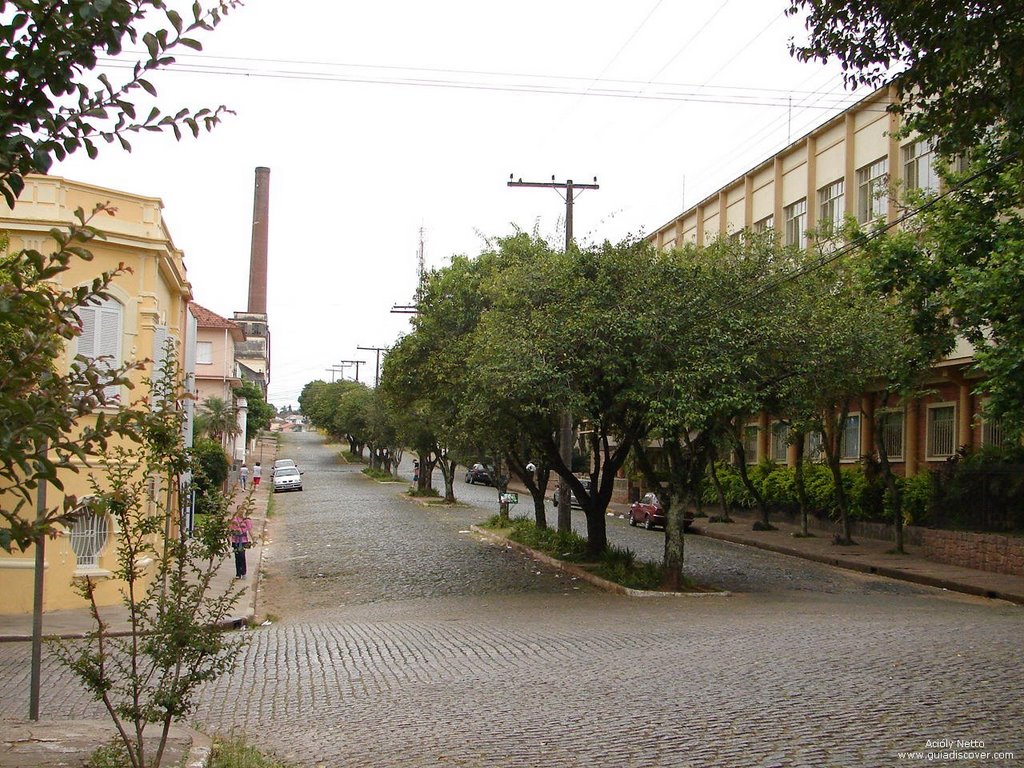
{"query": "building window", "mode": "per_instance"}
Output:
(750, 444)
(100, 339)
(849, 440)
(765, 224)
(941, 431)
(204, 352)
(780, 441)
(814, 447)
(796, 223)
(992, 432)
(832, 206)
(892, 434)
(872, 190)
(919, 167)
(89, 533)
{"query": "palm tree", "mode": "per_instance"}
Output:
(217, 419)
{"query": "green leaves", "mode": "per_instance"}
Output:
(49, 108)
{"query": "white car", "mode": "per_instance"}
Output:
(280, 464)
(287, 479)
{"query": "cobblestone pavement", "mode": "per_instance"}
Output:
(412, 644)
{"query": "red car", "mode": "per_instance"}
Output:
(650, 513)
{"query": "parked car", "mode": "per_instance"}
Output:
(478, 473)
(573, 502)
(280, 464)
(287, 479)
(649, 513)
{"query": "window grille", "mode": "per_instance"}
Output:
(780, 441)
(750, 444)
(849, 445)
(814, 447)
(942, 431)
(89, 534)
(992, 432)
(892, 434)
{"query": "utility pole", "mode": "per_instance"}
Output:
(336, 369)
(378, 350)
(356, 363)
(565, 425)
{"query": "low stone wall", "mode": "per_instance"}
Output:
(991, 552)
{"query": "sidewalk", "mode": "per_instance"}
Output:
(78, 622)
(52, 744)
(866, 556)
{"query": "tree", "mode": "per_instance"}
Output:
(259, 412)
(52, 106)
(572, 332)
(218, 419)
(175, 643)
(960, 66)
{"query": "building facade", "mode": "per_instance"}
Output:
(854, 164)
(148, 307)
(217, 371)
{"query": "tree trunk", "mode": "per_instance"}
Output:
(672, 561)
(798, 481)
(722, 501)
(536, 483)
(895, 497)
(834, 453)
(741, 455)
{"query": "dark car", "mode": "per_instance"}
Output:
(478, 473)
(649, 513)
(573, 502)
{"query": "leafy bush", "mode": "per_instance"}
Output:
(779, 489)
(918, 497)
(211, 471)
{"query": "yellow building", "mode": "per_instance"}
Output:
(147, 307)
(851, 165)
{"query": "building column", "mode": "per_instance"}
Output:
(911, 450)
(763, 435)
(867, 424)
(965, 416)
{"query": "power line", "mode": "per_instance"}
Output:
(757, 97)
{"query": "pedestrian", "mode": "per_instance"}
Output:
(240, 536)
(243, 476)
(415, 471)
(257, 473)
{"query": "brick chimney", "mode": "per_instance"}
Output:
(258, 253)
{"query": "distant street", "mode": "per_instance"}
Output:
(399, 639)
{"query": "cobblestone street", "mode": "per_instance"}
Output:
(399, 639)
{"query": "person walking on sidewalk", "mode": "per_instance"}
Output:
(243, 476)
(257, 473)
(240, 536)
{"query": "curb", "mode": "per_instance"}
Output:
(582, 573)
(897, 574)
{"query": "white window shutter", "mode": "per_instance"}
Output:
(87, 339)
(101, 338)
(159, 353)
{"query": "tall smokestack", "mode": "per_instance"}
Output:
(258, 253)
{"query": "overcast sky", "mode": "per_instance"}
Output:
(379, 119)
